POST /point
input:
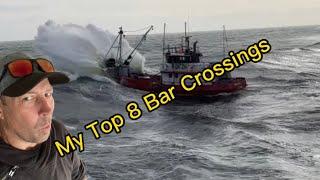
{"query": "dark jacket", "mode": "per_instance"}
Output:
(43, 162)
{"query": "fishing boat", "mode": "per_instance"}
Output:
(177, 61)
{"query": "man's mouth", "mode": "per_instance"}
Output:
(47, 126)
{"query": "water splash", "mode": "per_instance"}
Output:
(77, 50)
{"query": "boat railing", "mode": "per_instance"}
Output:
(179, 49)
(184, 67)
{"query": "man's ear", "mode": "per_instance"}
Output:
(2, 104)
(1, 111)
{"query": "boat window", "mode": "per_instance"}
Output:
(170, 75)
(175, 75)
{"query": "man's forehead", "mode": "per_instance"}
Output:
(43, 85)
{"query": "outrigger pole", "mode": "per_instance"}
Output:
(144, 37)
(119, 52)
(111, 46)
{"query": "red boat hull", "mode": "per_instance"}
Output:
(153, 84)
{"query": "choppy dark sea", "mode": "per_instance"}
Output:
(270, 130)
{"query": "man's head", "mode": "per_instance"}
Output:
(26, 120)
(26, 105)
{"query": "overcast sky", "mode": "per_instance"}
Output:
(19, 19)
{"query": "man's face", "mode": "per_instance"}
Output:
(28, 117)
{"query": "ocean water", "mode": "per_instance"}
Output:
(270, 130)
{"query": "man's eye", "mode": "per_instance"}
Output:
(48, 94)
(28, 98)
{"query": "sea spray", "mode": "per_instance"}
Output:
(82, 47)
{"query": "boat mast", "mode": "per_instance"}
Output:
(186, 37)
(163, 42)
(120, 44)
(224, 42)
(225, 48)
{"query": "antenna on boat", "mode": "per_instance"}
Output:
(188, 22)
(185, 29)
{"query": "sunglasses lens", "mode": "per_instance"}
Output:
(20, 68)
(45, 65)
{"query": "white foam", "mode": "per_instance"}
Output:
(317, 157)
(70, 127)
(103, 79)
(296, 50)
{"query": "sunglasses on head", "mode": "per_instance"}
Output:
(23, 67)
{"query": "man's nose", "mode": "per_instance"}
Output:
(46, 106)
